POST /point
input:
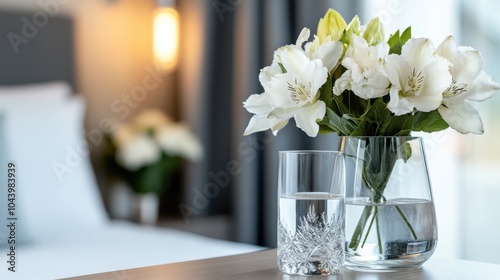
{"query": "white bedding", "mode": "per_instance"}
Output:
(116, 246)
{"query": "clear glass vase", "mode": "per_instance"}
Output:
(390, 216)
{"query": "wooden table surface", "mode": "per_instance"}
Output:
(262, 266)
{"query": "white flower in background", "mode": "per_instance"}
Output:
(151, 118)
(365, 74)
(469, 83)
(137, 152)
(152, 134)
(418, 77)
(177, 140)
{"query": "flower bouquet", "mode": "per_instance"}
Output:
(370, 90)
(147, 151)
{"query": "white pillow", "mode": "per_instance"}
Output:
(32, 93)
(56, 188)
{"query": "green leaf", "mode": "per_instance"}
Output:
(393, 42)
(378, 121)
(377, 114)
(326, 92)
(396, 41)
(357, 105)
(406, 151)
(360, 130)
(339, 124)
(405, 132)
(352, 118)
(406, 35)
(324, 127)
(338, 104)
(399, 126)
(429, 122)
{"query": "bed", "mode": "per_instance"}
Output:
(56, 215)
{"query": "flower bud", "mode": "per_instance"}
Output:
(332, 24)
(374, 32)
(353, 28)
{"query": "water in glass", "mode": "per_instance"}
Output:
(396, 232)
(311, 233)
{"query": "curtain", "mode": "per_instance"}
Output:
(224, 44)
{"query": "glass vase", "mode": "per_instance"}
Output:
(390, 216)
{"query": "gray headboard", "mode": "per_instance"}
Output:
(35, 47)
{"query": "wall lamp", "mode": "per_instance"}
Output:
(166, 35)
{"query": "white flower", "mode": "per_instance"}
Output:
(296, 92)
(138, 152)
(364, 74)
(418, 77)
(260, 105)
(329, 52)
(342, 83)
(177, 140)
(291, 86)
(268, 72)
(151, 118)
(291, 94)
(469, 83)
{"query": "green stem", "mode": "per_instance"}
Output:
(378, 232)
(358, 231)
(406, 222)
(369, 228)
(383, 157)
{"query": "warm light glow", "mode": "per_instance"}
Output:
(166, 38)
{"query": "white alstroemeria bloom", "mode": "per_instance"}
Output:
(365, 74)
(468, 83)
(138, 152)
(260, 105)
(418, 77)
(329, 52)
(296, 92)
(268, 72)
